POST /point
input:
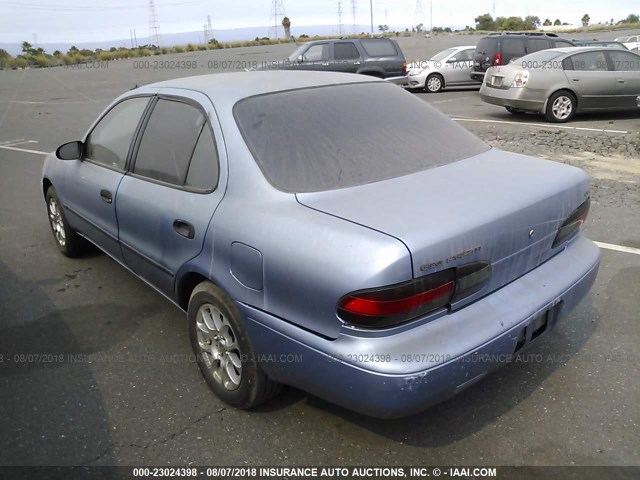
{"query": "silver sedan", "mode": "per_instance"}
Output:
(449, 68)
(561, 82)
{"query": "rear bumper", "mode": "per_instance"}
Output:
(403, 373)
(400, 80)
(520, 98)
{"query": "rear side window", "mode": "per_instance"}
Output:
(537, 44)
(512, 47)
(356, 134)
(625, 61)
(379, 48)
(109, 142)
(563, 43)
(589, 61)
(487, 46)
(177, 147)
(345, 51)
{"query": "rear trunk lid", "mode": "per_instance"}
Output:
(499, 207)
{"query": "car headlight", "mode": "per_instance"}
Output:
(521, 80)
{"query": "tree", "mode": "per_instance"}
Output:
(632, 18)
(57, 53)
(585, 20)
(383, 28)
(73, 50)
(531, 22)
(26, 47)
(485, 22)
(286, 24)
(547, 23)
(557, 22)
(509, 24)
(419, 27)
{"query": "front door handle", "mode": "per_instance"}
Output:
(357, 63)
(575, 79)
(620, 80)
(184, 228)
(106, 196)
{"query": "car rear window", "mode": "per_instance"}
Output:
(379, 48)
(487, 46)
(340, 136)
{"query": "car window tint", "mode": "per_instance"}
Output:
(467, 54)
(513, 47)
(168, 141)
(379, 47)
(345, 51)
(625, 61)
(203, 170)
(110, 140)
(357, 134)
(537, 44)
(317, 53)
(487, 46)
(589, 61)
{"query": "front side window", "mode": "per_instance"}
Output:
(177, 147)
(590, 61)
(108, 144)
(317, 53)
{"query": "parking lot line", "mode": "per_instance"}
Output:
(618, 248)
(26, 150)
(539, 125)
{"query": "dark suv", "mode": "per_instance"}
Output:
(379, 57)
(500, 48)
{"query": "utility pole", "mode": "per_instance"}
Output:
(353, 11)
(340, 18)
(205, 34)
(209, 29)
(277, 14)
(154, 25)
(371, 9)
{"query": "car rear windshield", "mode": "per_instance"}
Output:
(379, 47)
(340, 136)
(487, 46)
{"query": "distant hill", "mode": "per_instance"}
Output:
(171, 39)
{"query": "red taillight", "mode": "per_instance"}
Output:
(572, 225)
(497, 60)
(387, 306)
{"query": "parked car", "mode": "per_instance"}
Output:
(632, 42)
(598, 43)
(378, 57)
(448, 68)
(498, 49)
(564, 81)
(326, 231)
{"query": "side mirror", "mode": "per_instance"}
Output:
(300, 58)
(70, 151)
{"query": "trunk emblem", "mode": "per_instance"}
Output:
(531, 232)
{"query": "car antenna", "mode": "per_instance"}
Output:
(133, 88)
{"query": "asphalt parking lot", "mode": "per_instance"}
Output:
(95, 366)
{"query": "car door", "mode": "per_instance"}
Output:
(346, 57)
(91, 183)
(316, 57)
(588, 75)
(458, 68)
(173, 187)
(626, 68)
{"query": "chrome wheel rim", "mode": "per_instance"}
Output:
(562, 107)
(433, 84)
(57, 224)
(219, 347)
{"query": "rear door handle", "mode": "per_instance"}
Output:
(575, 79)
(620, 80)
(184, 228)
(356, 63)
(106, 196)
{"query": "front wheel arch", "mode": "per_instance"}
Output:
(439, 77)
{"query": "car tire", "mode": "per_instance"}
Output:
(223, 350)
(67, 240)
(434, 83)
(561, 107)
(515, 111)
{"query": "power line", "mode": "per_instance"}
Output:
(154, 25)
(277, 14)
(354, 6)
(340, 18)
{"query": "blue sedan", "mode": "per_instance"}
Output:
(326, 231)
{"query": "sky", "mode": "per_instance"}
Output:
(96, 20)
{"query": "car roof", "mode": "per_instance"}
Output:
(576, 49)
(234, 86)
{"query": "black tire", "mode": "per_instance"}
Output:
(67, 240)
(515, 111)
(561, 107)
(434, 83)
(227, 360)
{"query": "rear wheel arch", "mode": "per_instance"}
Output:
(186, 285)
(561, 91)
(567, 90)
